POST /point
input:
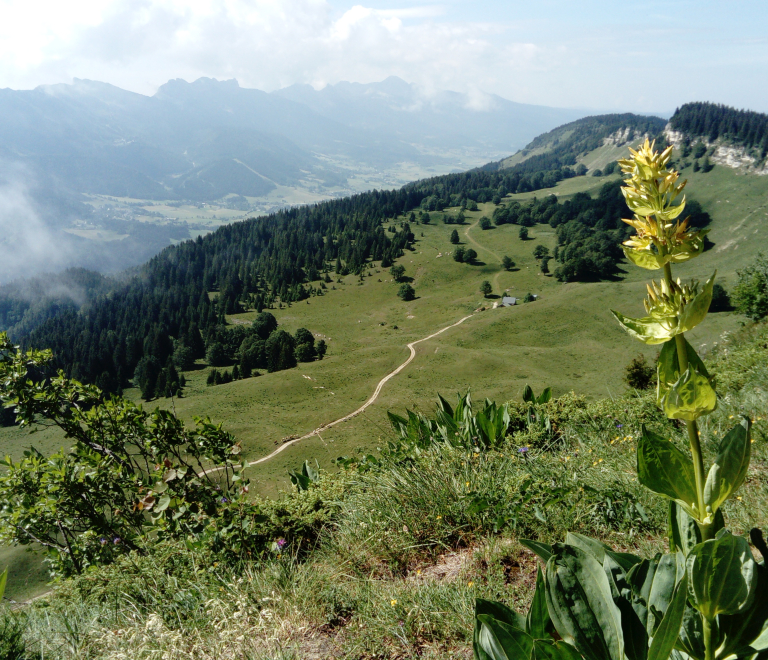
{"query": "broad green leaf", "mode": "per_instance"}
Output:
(666, 633)
(670, 571)
(722, 575)
(682, 530)
(690, 397)
(545, 396)
(162, 503)
(3, 581)
(444, 406)
(730, 467)
(645, 258)
(500, 612)
(666, 470)
(543, 650)
(632, 627)
(528, 395)
(668, 367)
(647, 329)
(691, 635)
(538, 622)
(581, 605)
(673, 212)
(598, 550)
(746, 633)
(502, 642)
(543, 550)
(696, 310)
(310, 472)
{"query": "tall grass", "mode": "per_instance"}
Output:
(369, 586)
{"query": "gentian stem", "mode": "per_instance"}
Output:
(693, 429)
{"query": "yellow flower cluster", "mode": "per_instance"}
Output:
(650, 192)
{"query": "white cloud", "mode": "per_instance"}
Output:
(551, 52)
(139, 44)
(27, 245)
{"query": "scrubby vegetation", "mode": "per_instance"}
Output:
(386, 557)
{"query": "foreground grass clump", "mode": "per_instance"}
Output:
(388, 562)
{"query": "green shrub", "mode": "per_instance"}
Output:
(640, 375)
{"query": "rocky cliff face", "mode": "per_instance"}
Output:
(729, 155)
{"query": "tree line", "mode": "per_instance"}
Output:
(176, 304)
(714, 121)
(589, 230)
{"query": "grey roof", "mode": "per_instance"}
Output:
(508, 301)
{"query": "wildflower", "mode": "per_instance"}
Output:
(224, 500)
(393, 602)
(281, 543)
(400, 623)
(523, 450)
(738, 497)
(467, 484)
(103, 541)
(619, 426)
(439, 517)
(418, 571)
(116, 540)
(469, 584)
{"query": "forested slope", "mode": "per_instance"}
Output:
(181, 296)
(720, 122)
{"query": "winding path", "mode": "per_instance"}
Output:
(384, 380)
(369, 402)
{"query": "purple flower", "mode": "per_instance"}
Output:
(116, 540)
(619, 426)
(103, 541)
(224, 500)
(523, 450)
(281, 543)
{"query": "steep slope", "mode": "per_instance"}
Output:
(568, 144)
(730, 137)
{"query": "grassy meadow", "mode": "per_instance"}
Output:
(399, 557)
(566, 339)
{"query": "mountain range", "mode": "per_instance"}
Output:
(206, 139)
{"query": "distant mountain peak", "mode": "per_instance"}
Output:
(178, 86)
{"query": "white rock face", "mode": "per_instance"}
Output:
(727, 155)
(624, 136)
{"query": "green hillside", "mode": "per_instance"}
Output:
(565, 339)
(594, 141)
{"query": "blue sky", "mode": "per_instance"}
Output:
(640, 56)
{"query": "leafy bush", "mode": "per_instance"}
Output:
(750, 295)
(640, 375)
(130, 474)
